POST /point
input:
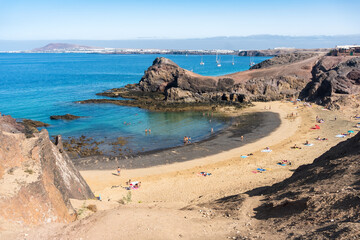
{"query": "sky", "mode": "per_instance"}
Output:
(167, 19)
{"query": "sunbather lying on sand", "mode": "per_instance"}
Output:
(204, 174)
(284, 163)
(295, 147)
(320, 139)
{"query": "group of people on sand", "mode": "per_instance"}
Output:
(133, 185)
(187, 140)
(148, 131)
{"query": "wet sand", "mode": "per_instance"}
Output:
(251, 125)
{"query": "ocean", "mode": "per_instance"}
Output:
(35, 86)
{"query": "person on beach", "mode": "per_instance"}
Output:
(242, 138)
(189, 140)
(185, 140)
(118, 171)
(212, 130)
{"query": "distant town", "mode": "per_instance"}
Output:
(353, 50)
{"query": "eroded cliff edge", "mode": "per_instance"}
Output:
(166, 86)
(37, 177)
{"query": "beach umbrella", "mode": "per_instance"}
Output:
(350, 131)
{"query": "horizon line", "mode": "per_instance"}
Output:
(190, 38)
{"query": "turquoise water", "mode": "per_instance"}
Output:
(36, 86)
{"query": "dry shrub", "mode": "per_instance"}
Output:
(92, 207)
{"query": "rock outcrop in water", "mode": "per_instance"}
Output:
(64, 117)
(37, 178)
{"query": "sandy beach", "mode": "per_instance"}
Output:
(174, 200)
(180, 183)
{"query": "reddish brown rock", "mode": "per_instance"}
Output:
(37, 178)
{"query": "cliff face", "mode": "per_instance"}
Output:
(335, 81)
(37, 178)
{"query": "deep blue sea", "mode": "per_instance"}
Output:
(35, 86)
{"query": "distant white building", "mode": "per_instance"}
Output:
(347, 46)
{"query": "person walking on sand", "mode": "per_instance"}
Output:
(118, 171)
(242, 138)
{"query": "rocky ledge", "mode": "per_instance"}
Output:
(167, 87)
(64, 117)
(37, 177)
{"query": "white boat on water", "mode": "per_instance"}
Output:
(233, 62)
(218, 60)
(252, 63)
(202, 62)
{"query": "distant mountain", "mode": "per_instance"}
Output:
(230, 43)
(61, 47)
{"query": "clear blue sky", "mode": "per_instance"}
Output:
(131, 19)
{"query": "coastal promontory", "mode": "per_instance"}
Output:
(168, 87)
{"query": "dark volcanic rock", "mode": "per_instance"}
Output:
(332, 81)
(283, 59)
(64, 117)
(31, 126)
(37, 178)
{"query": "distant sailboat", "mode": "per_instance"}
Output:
(202, 62)
(233, 63)
(218, 60)
(251, 62)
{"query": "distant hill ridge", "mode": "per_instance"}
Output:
(63, 47)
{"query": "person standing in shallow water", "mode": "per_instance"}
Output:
(149, 131)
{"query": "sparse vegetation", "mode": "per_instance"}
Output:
(126, 199)
(92, 207)
(29, 171)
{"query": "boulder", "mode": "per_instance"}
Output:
(37, 178)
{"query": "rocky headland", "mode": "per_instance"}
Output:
(165, 86)
(37, 177)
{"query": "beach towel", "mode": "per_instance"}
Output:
(266, 150)
(281, 164)
(254, 171)
(244, 156)
(310, 144)
(204, 174)
(340, 136)
(261, 169)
